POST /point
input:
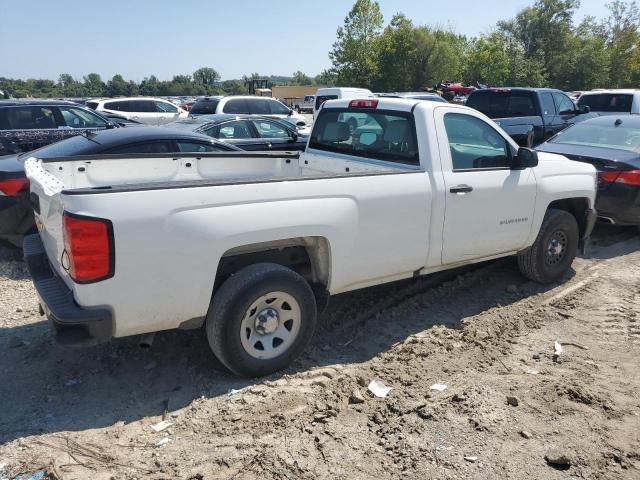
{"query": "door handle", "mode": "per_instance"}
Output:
(461, 189)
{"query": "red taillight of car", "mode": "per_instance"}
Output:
(13, 187)
(629, 177)
(89, 249)
(363, 104)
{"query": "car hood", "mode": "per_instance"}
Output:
(585, 153)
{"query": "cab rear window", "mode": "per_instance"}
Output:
(503, 103)
(607, 102)
(376, 134)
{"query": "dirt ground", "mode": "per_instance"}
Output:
(510, 410)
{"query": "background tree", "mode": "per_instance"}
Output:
(355, 53)
(300, 78)
(206, 76)
(622, 39)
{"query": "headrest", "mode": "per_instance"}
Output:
(337, 131)
(397, 131)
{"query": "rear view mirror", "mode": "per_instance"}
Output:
(525, 158)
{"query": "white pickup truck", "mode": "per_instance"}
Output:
(251, 246)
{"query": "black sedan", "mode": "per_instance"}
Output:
(612, 145)
(249, 132)
(16, 217)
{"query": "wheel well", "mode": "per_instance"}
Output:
(576, 207)
(309, 257)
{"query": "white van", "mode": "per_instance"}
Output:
(324, 94)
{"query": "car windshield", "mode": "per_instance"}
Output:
(76, 145)
(607, 102)
(620, 137)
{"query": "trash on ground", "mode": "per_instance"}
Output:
(232, 391)
(378, 388)
(438, 387)
(471, 459)
(163, 441)
(557, 350)
(39, 475)
(158, 427)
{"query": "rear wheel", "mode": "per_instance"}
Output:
(554, 250)
(261, 319)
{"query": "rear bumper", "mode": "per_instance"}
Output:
(74, 325)
(620, 204)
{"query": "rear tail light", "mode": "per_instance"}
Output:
(629, 177)
(89, 248)
(363, 104)
(13, 187)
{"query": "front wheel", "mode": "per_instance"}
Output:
(554, 250)
(261, 319)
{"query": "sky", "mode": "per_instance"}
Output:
(138, 38)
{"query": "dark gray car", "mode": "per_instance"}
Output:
(248, 132)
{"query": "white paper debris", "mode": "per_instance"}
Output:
(438, 387)
(158, 427)
(232, 391)
(378, 388)
(163, 441)
(557, 348)
(471, 459)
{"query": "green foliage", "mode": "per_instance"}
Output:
(300, 78)
(540, 46)
(355, 52)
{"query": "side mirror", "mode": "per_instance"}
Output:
(525, 158)
(293, 137)
(290, 112)
(110, 125)
(584, 109)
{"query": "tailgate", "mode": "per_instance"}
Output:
(46, 200)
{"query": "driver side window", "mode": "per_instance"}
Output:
(564, 104)
(474, 144)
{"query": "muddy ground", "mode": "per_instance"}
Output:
(510, 410)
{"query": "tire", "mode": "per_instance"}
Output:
(542, 264)
(246, 325)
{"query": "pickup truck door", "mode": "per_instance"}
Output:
(567, 111)
(488, 207)
(552, 122)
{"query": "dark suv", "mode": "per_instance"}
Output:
(29, 124)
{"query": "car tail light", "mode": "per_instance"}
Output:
(88, 248)
(363, 104)
(13, 187)
(629, 177)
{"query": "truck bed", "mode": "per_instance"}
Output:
(90, 174)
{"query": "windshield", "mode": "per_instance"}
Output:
(77, 145)
(607, 102)
(621, 137)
